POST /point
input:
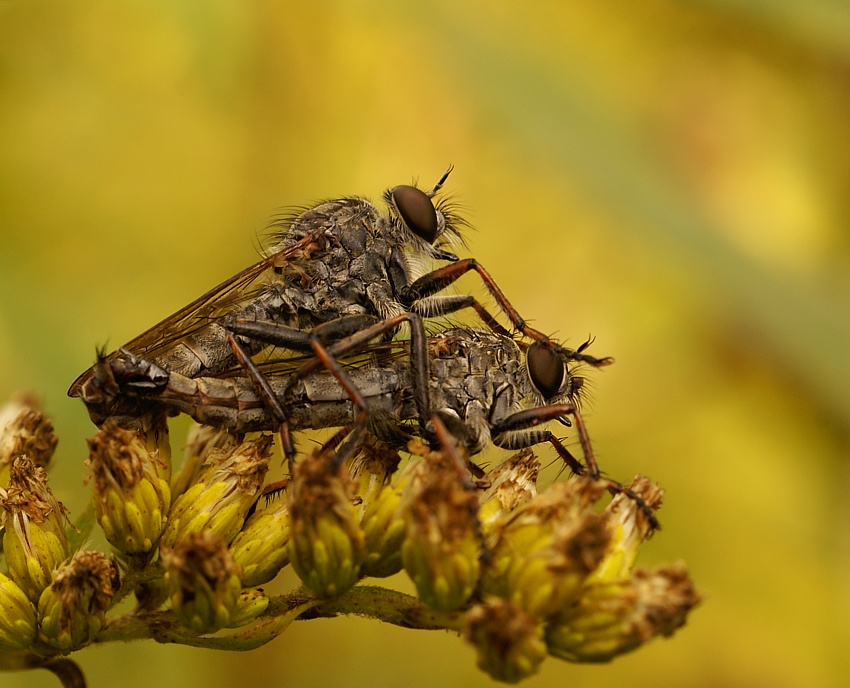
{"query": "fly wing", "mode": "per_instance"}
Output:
(216, 304)
(375, 354)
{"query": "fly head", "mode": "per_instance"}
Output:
(546, 369)
(414, 210)
(417, 212)
(549, 373)
(120, 385)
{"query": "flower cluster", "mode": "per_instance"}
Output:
(518, 573)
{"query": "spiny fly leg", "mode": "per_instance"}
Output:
(447, 443)
(277, 334)
(442, 277)
(335, 339)
(436, 306)
(413, 296)
(347, 448)
(450, 451)
(267, 395)
(327, 357)
(418, 356)
(294, 339)
(520, 430)
(615, 488)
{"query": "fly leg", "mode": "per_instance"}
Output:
(298, 340)
(270, 332)
(447, 443)
(328, 342)
(520, 430)
(413, 295)
(266, 394)
(461, 467)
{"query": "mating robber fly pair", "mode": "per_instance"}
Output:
(305, 339)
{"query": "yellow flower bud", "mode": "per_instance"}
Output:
(508, 641)
(34, 540)
(203, 582)
(202, 441)
(24, 431)
(327, 545)
(17, 617)
(545, 551)
(131, 494)
(250, 604)
(442, 542)
(72, 610)
(383, 526)
(630, 526)
(226, 489)
(371, 468)
(261, 548)
(511, 484)
(610, 619)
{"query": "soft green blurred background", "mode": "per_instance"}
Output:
(669, 177)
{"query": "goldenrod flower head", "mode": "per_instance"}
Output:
(520, 574)
(72, 610)
(509, 642)
(202, 441)
(442, 543)
(225, 490)
(630, 526)
(24, 431)
(131, 495)
(203, 581)
(34, 541)
(609, 619)
(327, 544)
(261, 547)
(17, 617)
(510, 485)
(384, 525)
(545, 551)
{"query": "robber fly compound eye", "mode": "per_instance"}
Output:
(416, 211)
(546, 369)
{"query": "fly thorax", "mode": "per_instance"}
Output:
(419, 257)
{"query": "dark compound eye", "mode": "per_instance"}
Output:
(546, 369)
(416, 211)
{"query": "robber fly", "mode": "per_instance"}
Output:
(485, 387)
(333, 270)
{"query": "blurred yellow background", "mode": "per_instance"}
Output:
(671, 178)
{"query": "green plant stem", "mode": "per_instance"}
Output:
(371, 602)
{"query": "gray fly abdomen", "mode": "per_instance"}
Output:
(320, 401)
(369, 381)
(228, 403)
(206, 352)
(333, 414)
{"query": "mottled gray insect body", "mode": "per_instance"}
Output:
(477, 377)
(342, 257)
